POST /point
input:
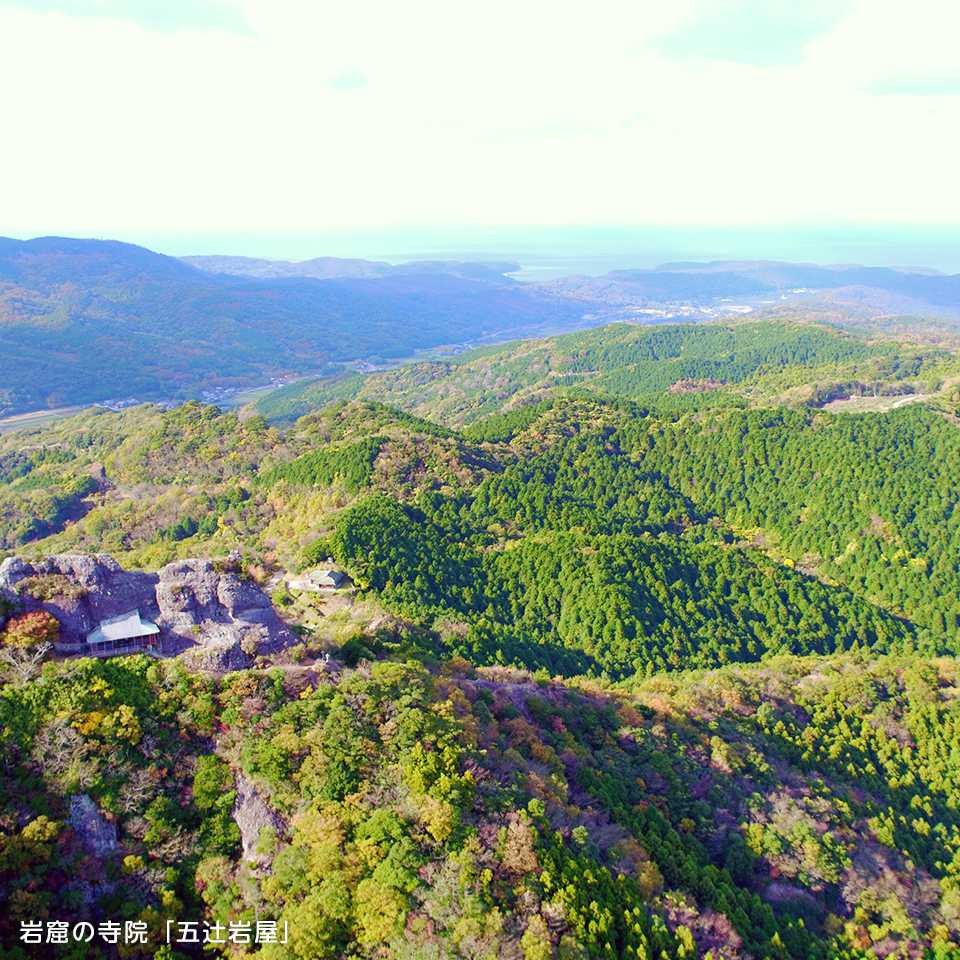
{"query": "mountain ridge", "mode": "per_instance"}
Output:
(328, 268)
(85, 321)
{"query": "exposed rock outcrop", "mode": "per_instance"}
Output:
(219, 618)
(94, 831)
(253, 814)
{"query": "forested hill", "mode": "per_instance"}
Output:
(770, 361)
(640, 540)
(802, 810)
(579, 534)
(91, 320)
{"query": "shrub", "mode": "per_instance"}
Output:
(30, 629)
(50, 586)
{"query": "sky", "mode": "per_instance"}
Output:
(184, 119)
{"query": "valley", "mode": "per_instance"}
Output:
(95, 321)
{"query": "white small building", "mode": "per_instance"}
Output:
(315, 581)
(128, 631)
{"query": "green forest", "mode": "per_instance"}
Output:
(646, 649)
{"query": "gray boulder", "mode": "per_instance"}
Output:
(95, 832)
(253, 815)
(230, 617)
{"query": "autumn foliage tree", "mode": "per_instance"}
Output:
(30, 630)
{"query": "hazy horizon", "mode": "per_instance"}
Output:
(555, 251)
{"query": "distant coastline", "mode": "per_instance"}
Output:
(546, 252)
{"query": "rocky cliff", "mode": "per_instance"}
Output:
(210, 614)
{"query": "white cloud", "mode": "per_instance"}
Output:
(369, 114)
(884, 42)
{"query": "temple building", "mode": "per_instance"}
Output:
(317, 580)
(126, 633)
